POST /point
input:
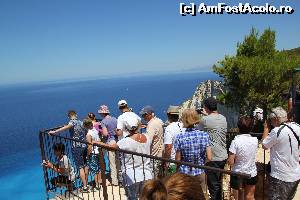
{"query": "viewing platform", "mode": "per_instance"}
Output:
(108, 192)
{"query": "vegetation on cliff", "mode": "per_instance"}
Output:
(258, 75)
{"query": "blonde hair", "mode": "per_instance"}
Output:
(189, 118)
(176, 187)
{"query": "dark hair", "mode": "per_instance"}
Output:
(59, 147)
(211, 104)
(245, 124)
(173, 117)
(176, 187)
(87, 123)
(123, 107)
(72, 113)
(91, 116)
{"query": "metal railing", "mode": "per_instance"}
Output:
(106, 191)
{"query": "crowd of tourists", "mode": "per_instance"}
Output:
(193, 136)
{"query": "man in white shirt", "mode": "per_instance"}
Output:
(175, 127)
(283, 142)
(126, 114)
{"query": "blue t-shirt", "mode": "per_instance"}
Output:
(77, 132)
(192, 146)
(111, 124)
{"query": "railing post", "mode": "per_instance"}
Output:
(43, 158)
(103, 175)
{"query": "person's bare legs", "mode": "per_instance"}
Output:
(249, 192)
(83, 173)
(98, 179)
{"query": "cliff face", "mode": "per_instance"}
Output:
(207, 89)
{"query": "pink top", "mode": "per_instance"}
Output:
(97, 126)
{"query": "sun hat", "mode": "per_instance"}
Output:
(173, 110)
(103, 109)
(147, 110)
(122, 103)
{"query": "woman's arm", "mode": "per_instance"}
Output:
(64, 128)
(104, 131)
(231, 159)
(89, 140)
(106, 145)
(178, 155)
(208, 153)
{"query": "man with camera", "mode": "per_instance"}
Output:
(283, 142)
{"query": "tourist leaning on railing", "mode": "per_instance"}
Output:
(242, 156)
(77, 132)
(192, 146)
(283, 142)
(176, 187)
(136, 169)
(66, 175)
(93, 157)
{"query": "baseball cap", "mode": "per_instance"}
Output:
(122, 103)
(173, 110)
(131, 123)
(146, 110)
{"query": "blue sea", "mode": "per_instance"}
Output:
(27, 108)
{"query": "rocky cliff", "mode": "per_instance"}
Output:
(207, 89)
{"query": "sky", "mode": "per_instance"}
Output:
(44, 40)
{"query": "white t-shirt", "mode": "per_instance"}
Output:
(170, 135)
(284, 153)
(141, 170)
(121, 122)
(95, 137)
(69, 170)
(245, 148)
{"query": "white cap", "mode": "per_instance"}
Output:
(122, 103)
(131, 123)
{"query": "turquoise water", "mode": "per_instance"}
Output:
(25, 109)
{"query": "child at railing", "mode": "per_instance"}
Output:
(63, 168)
(77, 132)
(93, 152)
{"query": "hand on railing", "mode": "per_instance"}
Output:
(47, 164)
(52, 132)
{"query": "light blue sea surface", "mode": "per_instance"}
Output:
(25, 109)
